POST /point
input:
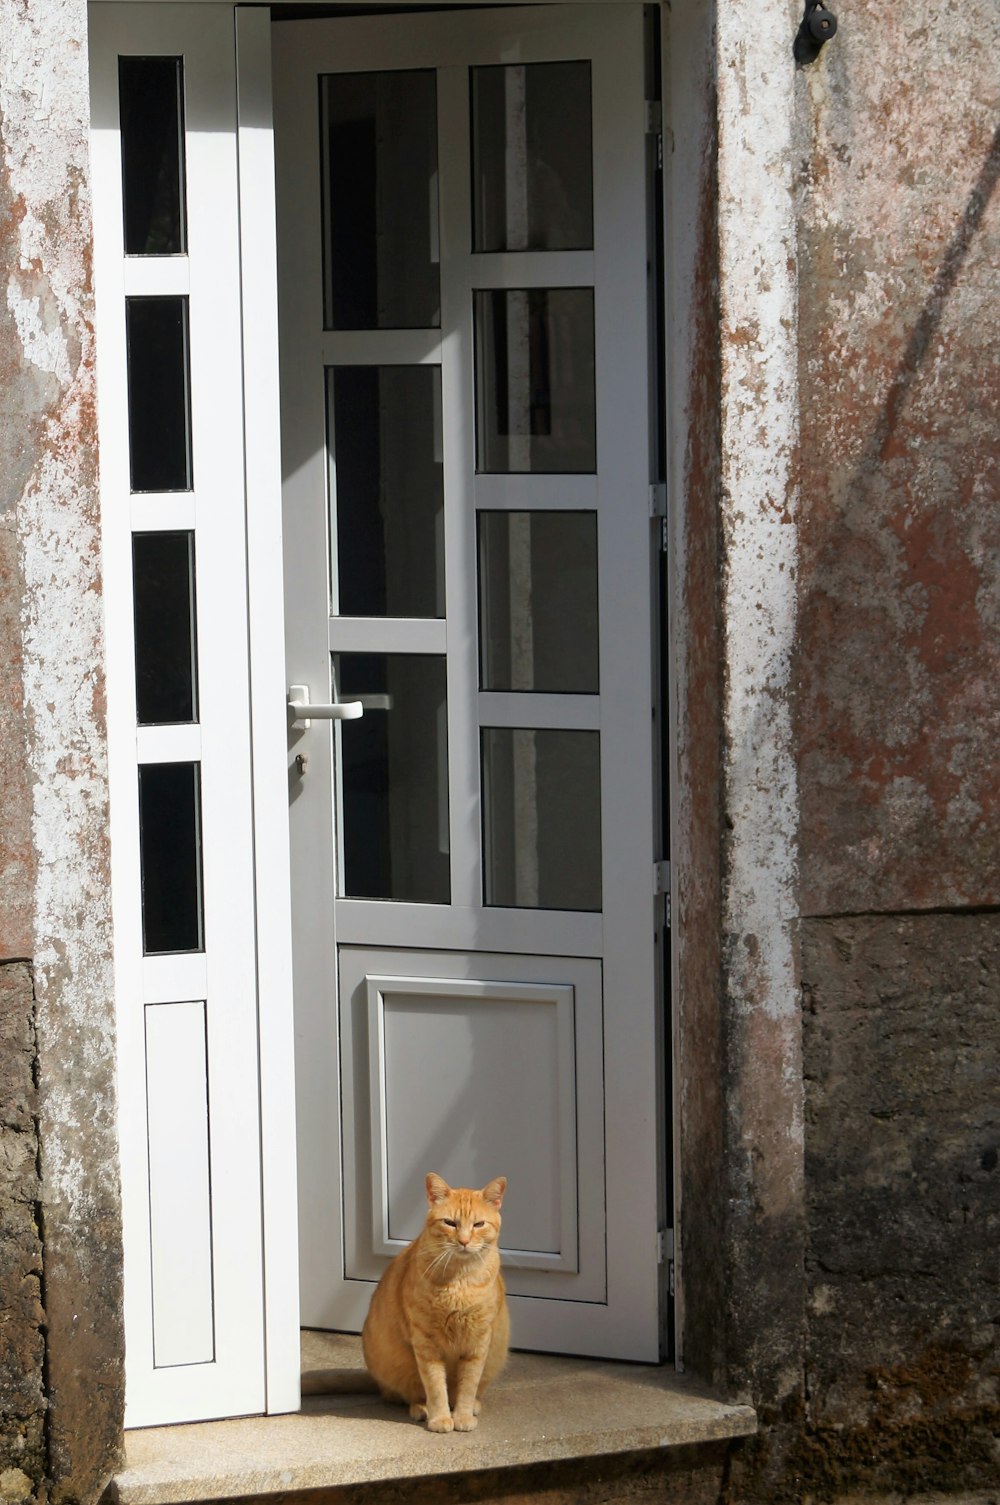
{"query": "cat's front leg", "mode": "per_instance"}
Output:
(470, 1371)
(434, 1377)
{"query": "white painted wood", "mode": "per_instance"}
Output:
(611, 1306)
(180, 1212)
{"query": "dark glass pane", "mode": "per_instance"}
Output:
(538, 601)
(541, 818)
(165, 640)
(395, 778)
(532, 157)
(151, 104)
(380, 214)
(388, 490)
(170, 844)
(535, 395)
(159, 425)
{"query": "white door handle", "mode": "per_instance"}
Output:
(305, 713)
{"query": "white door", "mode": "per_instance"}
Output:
(198, 836)
(466, 456)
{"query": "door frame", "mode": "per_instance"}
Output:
(265, 629)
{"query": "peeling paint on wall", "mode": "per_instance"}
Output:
(48, 434)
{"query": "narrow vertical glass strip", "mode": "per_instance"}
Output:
(151, 113)
(170, 857)
(159, 403)
(165, 629)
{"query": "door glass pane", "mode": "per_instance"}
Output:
(159, 426)
(151, 106)
(538, 601)
(541, 818)
(532, 158)
(535, 398)
(163, 593)
(380, 211)
(384, 435)
(170, 855)
(394, 770)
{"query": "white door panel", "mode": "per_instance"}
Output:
(466, 462)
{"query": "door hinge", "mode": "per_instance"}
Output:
(654, 127)
(665, 1254)
(661, 887)
(658, 510)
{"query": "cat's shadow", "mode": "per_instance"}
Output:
(357, 1408)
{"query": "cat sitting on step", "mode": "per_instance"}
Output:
(437, 1329)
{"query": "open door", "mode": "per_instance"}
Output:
(468, 566)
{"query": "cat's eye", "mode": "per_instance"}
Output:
(449, 1222)
(480, 1224)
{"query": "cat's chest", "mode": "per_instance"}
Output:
(461, 1316)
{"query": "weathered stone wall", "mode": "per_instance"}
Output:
(902, 1060)
(897, 720)
(22, 1344)
(899, 323)
(60, 1215)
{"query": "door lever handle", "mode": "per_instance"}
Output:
(305, 713)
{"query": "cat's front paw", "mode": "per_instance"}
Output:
(465, 1421)
(440, 1423)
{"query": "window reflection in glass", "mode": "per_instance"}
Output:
(380, 213)
(535, 394)
(159, 411)
(170, 857)
(532, 157)
(384, 427)
(165, 657)
(394, 771)
(151, 113)
(538, 601)
(541, 818)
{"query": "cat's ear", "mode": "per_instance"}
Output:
(437, 1190)
(493, 1193)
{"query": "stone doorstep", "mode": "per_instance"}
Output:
(542, 1409)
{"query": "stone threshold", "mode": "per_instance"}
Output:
(542, 1409)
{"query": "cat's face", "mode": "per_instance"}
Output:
(463, 1224)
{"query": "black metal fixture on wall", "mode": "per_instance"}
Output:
(818, 25)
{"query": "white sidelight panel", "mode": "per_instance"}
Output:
(181, 156)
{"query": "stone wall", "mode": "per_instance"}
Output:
(902, 1062)
(57, 993)
(22, 1344)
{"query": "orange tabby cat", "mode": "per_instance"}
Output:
(437, 1328)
